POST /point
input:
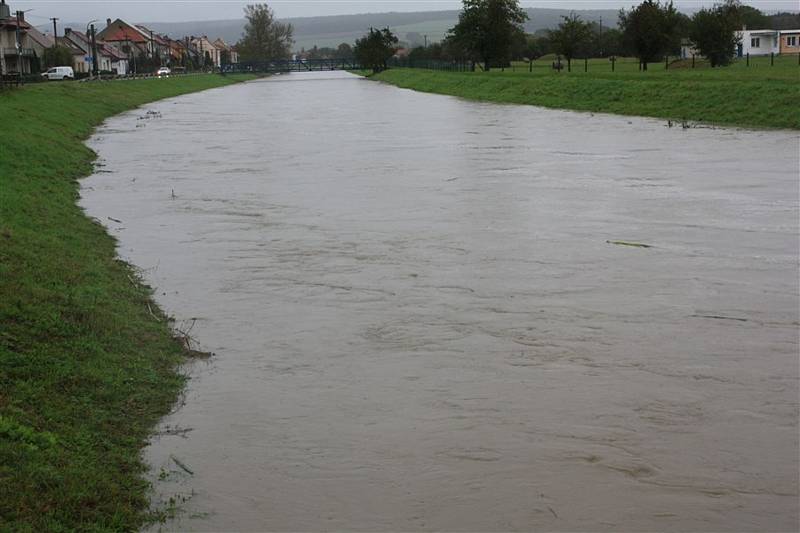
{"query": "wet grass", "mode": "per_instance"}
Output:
(760, 95)
(87, 362)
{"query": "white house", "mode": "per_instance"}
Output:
(758, 42)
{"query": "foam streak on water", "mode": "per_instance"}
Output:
(420, 323)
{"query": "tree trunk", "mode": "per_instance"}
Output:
(486, 65)
(569, 64)
(644, 65)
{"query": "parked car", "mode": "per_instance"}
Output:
(164, 71)
(59, 73)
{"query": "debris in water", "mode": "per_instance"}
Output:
(634, 244)
(180, 464)
(115, 220)
(720, 317)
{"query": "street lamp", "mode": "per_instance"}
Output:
(20, 14)
(92, 50)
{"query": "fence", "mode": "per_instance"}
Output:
(10, 80)
(608, 64)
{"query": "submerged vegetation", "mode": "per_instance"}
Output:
(87, 362)
(758, 96)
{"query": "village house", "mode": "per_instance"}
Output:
(39, 42)
(688, 49)
(227, 52)
(119, 61)
(125, 37)
(790, 41)
(767, 42)
(11, 59)
(177, 52)
(207, 50)
(157, 45)
(83, 62)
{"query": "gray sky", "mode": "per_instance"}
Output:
(187, 10)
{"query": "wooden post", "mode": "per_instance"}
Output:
(586, 64)
(613, 63)
(692, 60)
(772, 59)
(666, 63)
(530, 64)
(748, 59)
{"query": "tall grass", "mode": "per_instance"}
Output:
(756, 96)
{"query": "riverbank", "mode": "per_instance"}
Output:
(88, 364)
(762, 97)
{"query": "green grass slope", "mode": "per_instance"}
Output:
(85, 369)
(761, 95)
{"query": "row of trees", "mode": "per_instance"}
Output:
(653, 30)
(491, 32)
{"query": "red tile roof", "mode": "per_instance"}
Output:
(123, 34)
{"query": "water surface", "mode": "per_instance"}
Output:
(419, 322)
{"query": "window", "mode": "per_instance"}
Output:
(791, 41)
(755, 42)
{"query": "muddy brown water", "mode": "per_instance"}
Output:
(419, 322)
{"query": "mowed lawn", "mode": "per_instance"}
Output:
(87, 361)
(759, 95)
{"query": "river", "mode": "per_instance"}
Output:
(426, 313)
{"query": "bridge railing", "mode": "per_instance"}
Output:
(291, 65)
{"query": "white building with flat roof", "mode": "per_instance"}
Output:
(758, 42)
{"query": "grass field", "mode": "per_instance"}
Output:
(760, 95)
(86, 369)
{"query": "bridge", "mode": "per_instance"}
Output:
(291, 65)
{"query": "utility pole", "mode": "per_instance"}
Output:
(601, 37)
(95, 67)
(19, 43)
(55, 31)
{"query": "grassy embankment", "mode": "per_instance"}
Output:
(85, 369)
(760, 95)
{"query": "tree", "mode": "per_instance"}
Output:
(344, 51)
(783, 21)
(713, 32)
(753, 18)
(606, 42)
(571, 38)
(374, 49)
(487, 29)
(264, 37)
(651, 30)
(57, 56)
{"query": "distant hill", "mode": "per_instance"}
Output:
(409, 27)
(336, 29)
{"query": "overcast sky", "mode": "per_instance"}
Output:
(186, 10)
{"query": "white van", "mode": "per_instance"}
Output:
(59, 73)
